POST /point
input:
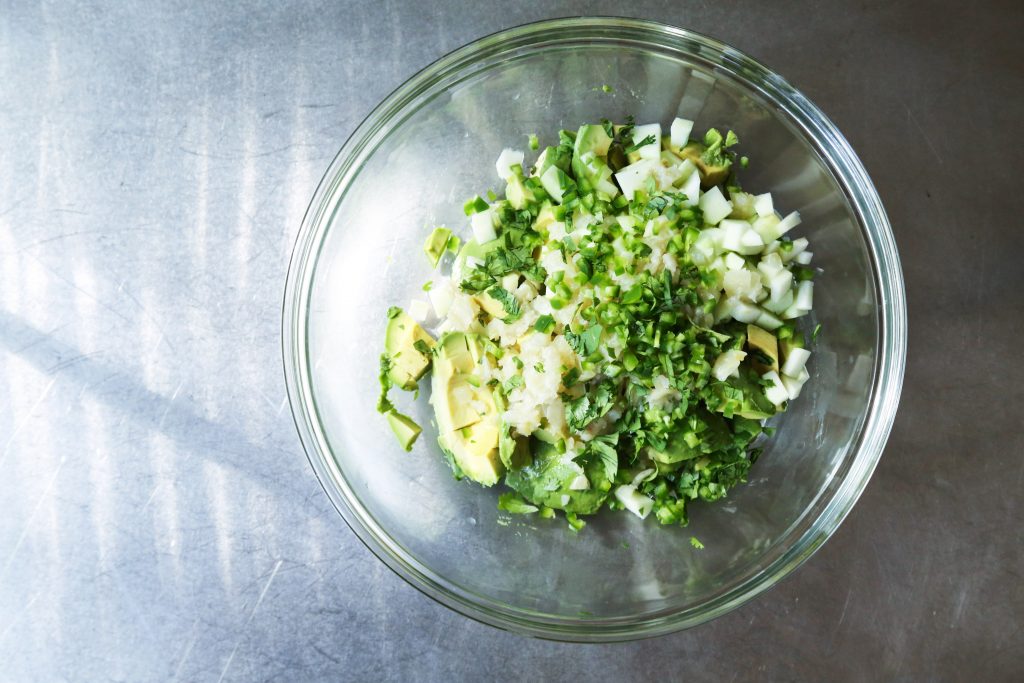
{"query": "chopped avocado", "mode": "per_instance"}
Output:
(710, 173)
(703, 435)
(492, 306)
(554, 481)
(764, 349)
(751, 403)
(518, 194)
(553, 156)
(796, 341)
(404, 428)
(591, 138)
(467, 414)
(407, 363)
(589, 163)
(436, 244)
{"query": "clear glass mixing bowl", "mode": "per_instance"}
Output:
(410, 165)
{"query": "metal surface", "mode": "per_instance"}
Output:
(158, 520)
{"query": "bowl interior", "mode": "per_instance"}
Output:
(619, 572)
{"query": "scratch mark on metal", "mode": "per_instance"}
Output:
(16, 617)
(913, 119)
(245, 626)
(188, 650)
(31, 517)
(17, 429)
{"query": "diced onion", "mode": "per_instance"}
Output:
(795, 384)
(795, 362)
(776, 393)
(419, 310)
(788, 223)
(632, 177)
(482, 224)
(805, 295)
(440, 296)
(714, 205)
(727, 364)
(506, 160)
(679, 132)
(634, 501)
(691, 188)
(653, 150)
(763, 205)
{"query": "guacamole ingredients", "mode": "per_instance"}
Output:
(616, 331)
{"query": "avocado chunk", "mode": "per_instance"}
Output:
(703, 436)
(436, 244)
(518, 194)
(404, 428)
(466, 410)
(404, 341)
(553, 156)
(589, 163)
(710, 174)
(553, 480)
(764, 349)
(754, 405)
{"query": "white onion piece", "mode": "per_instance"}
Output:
(506, 160)
(714, 205)
(776, 393)
(727, 364)
(788, 223)
(795, 362)
(653, 150)
(419, 310)
(763, 205)
(634, 501)
(679, 132)
(482, 224)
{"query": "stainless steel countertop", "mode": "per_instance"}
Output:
(158, 519)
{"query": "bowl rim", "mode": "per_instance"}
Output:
(846, 169)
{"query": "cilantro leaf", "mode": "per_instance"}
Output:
(510, 502)
(508, 301)
(603, 447)
(580, 412)
(649, 140)
(586, 342)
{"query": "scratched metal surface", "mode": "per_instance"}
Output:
(158, 520)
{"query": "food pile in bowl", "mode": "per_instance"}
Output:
(614, 329)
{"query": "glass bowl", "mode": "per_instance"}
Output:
(410, 165)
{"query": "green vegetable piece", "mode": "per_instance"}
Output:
(475, 205)
(510, 502)
(549, 481)
(468, 437)
(437, 244)
(764, 349)
(407, 363)
(404, 428)
(544, 323)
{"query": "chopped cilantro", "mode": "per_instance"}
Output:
(508, 301)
